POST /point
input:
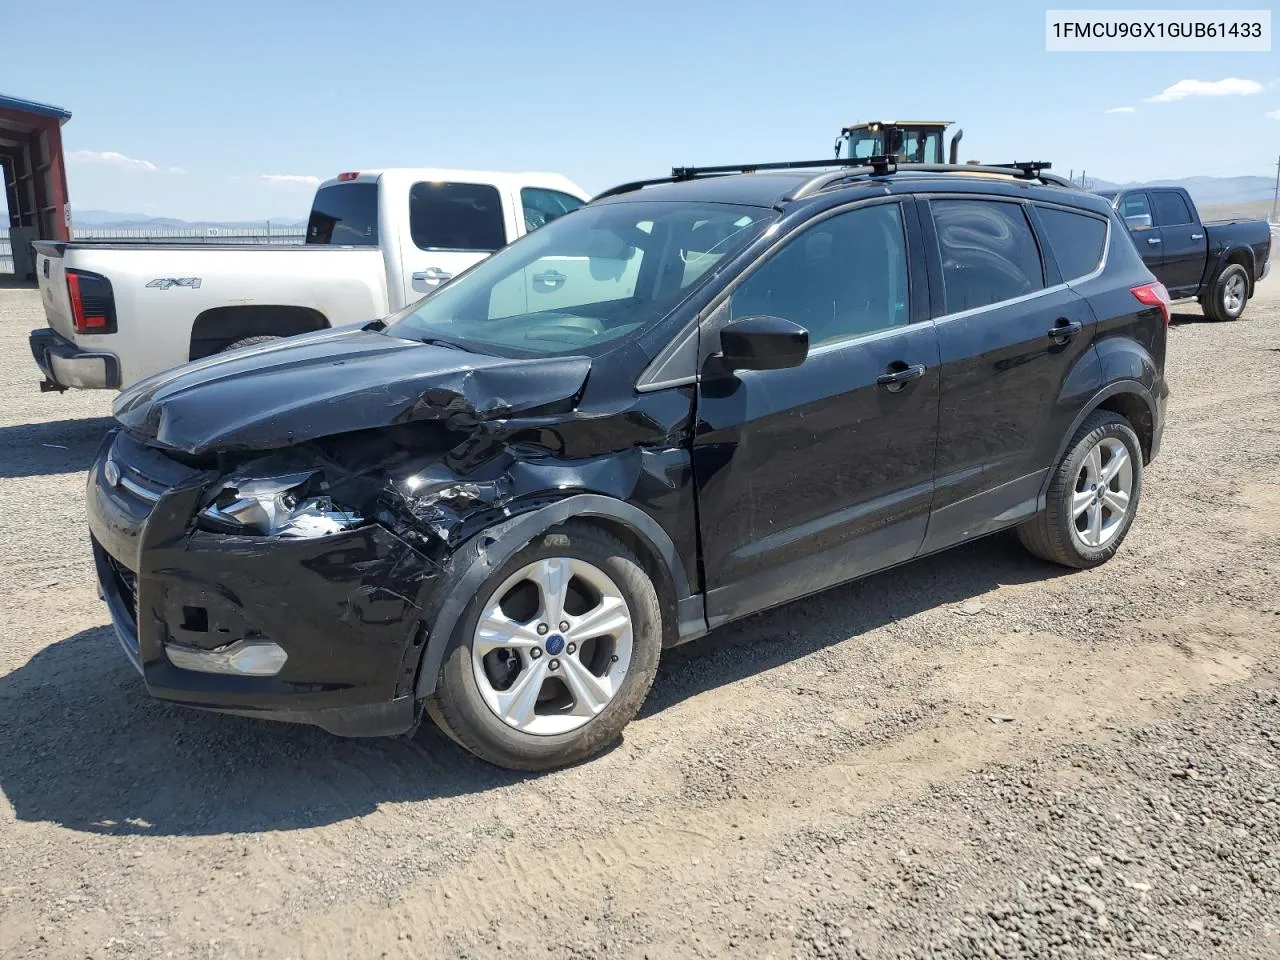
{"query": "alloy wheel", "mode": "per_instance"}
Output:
(1233, 294)
(552, 646)
(1103, 493)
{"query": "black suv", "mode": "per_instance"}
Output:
(688, 401)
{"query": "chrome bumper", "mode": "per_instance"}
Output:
(66, 365)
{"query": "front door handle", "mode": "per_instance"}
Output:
(1197, 236)
(433, 276)
(1064, 330)
(1153, 240)
(899, 374)
(548, 280)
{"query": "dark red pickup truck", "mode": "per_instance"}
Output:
(1217, 263)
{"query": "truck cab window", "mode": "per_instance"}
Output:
(344, 214)
(1136, 211)
(456, 216)
(1171, 209)
(541, 206)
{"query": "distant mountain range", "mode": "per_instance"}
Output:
(109, 219)
(1207, 191)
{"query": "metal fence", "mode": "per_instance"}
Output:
(211, 235)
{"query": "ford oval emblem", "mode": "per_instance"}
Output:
(111, 472)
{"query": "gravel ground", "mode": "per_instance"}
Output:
(824, 780)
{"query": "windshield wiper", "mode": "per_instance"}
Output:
(437, 342)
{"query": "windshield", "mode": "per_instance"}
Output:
(915, 147)
(585, 281)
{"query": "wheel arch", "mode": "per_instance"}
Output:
(488, 550)
(1130, 399)
(218, 327)
(1241, 255)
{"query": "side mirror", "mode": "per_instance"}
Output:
(1139, 221)
(763, 343)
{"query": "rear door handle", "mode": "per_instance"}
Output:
(899, 374)
(1153, 240)
(1064, 330)
(433, 276)
(1197, 236)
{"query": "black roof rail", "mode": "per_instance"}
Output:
(865, 165)
(1022, 170)
(848, 169)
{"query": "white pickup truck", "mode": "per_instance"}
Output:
(376, 241)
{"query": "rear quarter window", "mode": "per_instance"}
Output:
(456, 216)
(1076, 239)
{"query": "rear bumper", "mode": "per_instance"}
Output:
(66, 365)
(339, 607)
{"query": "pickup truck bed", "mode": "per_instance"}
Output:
(185, 306)
(377, 240)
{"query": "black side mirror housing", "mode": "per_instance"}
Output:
(763, 343)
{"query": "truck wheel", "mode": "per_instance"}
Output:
(1228, 294)
(1093, 495)
(554, 655)
(248, 342)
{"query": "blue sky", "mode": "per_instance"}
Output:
(183, 109)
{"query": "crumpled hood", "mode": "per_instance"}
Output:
(332, 382)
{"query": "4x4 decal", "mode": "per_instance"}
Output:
(164, 283)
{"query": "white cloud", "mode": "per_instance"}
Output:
(1121, 110)
(111, 158)
(177, 170)
(1230, 87)
(1273, 115)
(291, 179)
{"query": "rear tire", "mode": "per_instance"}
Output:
(1093, 495)
(249, 342)
(1228, 294)
(586, 683)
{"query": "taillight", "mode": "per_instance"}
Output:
(1154, 295)
(349, 175)
(93, 307)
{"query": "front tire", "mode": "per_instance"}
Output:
(1093, 495)
(554, 655)
(1228, 294)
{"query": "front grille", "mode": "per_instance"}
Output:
(139, 484)
(142, 473)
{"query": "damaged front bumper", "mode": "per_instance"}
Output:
(345, 610)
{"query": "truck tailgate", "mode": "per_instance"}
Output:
(52, 277)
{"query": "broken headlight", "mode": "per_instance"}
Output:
(277, 507)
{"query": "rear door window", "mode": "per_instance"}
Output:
(988, 252)
(1076, 239)
(456, 216)
(344, 214)
(1171, 208)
